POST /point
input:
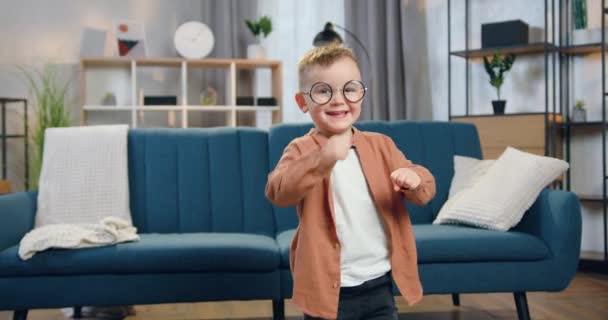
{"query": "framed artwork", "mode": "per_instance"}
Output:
(93, 43)
(130, 38)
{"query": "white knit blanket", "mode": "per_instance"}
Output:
(110, 230)
(83, 196)
(84, 176)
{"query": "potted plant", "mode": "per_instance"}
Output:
(260, 29)
(496, 69)
(51, 110)
(579, 114)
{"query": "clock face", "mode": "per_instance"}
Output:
(193, 40)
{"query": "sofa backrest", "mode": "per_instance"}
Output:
(199, 180)
(429, 143)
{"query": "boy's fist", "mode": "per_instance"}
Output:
(405, 179)
(337, 146)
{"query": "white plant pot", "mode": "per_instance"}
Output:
(256, 51)
(586, 36)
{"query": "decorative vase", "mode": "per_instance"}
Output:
(109, 99)
(578, 115)
(586, 36)
(499, 106)
(256, 51)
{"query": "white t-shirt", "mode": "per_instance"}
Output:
(364, 249)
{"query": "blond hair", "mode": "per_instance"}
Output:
(324, 56)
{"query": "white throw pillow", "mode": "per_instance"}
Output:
(499, 199)
(467, 171)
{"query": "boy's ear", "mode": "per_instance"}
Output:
(301, 102)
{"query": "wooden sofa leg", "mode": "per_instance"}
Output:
(20, 315)
(456, 299)
(521, 302)
(278, 309)
(77, 313)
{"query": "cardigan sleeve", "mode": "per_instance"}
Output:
(425, 191)
(295, 175)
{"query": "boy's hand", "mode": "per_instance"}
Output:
(405, 179)
(337, 146)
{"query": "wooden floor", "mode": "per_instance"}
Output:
(585, 298)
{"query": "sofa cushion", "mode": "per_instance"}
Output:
(154, 253)
(199, 180)
(284, 240)
(467, 172)
(502, 195)
(452, 243)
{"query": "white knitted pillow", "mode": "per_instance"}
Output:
(84, 176)
(500, 198)
(467, 171)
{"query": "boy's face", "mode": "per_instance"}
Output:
(336, 114)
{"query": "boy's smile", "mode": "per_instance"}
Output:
(338, 114)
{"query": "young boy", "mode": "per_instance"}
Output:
(354, 234)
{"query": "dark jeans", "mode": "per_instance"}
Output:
(372, 300)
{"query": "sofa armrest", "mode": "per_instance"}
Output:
(555, 217)
(17, 211)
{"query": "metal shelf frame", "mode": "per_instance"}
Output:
(4, 136)
(547, 47)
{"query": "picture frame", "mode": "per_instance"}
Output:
(130, 38)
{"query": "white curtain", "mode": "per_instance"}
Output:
(295, 24)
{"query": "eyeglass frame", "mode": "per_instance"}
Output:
(309, 93)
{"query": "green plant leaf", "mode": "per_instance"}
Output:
(51, 110)
(261, 26)
(253, 27)
(497, 67)
(265, 25)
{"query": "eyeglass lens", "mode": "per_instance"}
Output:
(353, 91)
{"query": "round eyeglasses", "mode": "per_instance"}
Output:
(321, 92)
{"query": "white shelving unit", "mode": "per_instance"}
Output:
(184, 107)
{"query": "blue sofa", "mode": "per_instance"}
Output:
(208, 233)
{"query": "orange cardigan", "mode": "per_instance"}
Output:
(300, 180)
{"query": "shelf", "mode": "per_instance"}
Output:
(256, 108)
(106, 62)
(230, 108)
(9, 100)
(583, 124)
(181, 108)
(176, 62)
(12, 136)
(229, 66)
(107, 108)
(159, 108)
(256, 63)
(159, 62)
(500, 115)
(559, 117)
(590, 198)
(582, 48)
(517, 49)
(209, 108)
(593, 265)
(592, 255)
